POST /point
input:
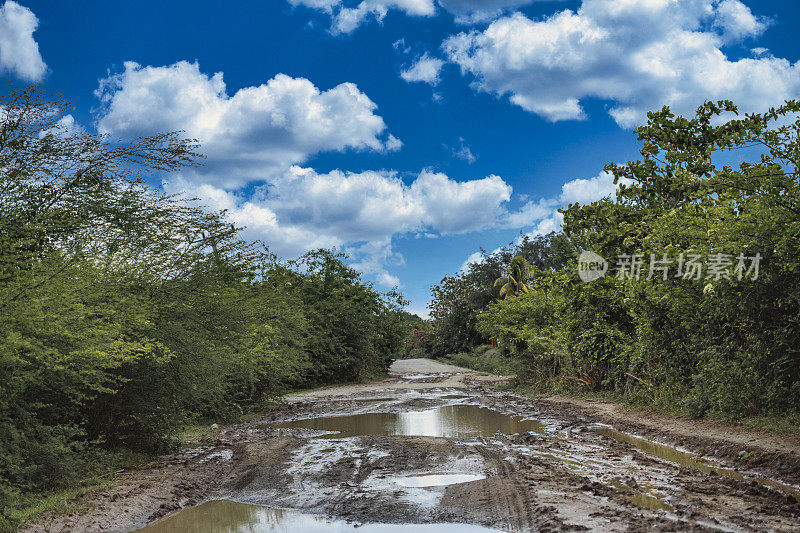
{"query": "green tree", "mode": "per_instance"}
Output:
(718, 345)
(127, 313)
(516, 280)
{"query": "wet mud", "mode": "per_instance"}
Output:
(439, 448)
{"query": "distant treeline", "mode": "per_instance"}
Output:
(718, 183)
(126, 313)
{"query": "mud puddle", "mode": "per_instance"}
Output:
(445, 421)
(226, 516)
(408, 455)
(638, 498)
(675, 455)
(437, 480)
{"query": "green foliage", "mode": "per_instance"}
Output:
(353, 331)
(717, 346)
(126, 313)
(485, 359)
(457, 300)
(417, 339)
(515, 281)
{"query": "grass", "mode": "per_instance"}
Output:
(102, 467)
(483, 359)
(788, 424)
(777, 424)
(25, 507)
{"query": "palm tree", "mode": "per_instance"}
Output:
(519, 273)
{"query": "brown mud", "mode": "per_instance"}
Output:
(569, 470)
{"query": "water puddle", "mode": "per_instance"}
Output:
(415, 377)
(650, 502)
(438, 480)
(685, 459)
(570, 463)
(387, 399)
(445, 421)
(639, 498)
(225, 516)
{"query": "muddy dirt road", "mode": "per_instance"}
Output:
(437, 444)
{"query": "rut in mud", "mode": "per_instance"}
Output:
(437, 445)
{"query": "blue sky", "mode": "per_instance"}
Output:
(409, 133)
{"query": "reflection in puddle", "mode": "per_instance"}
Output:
(650, 502)
(640, 498)
(446, 421)
(438, 480)
(685, 459)
(225, 516)
(414, 377)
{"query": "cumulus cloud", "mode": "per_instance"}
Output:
(474, 258)
(581, 191)
(425, 69)
(543, 215)
(357, 212)
(253, 135)
(66, 126)
(638, 54)
(735, 21)
(586, 191)
(346, 16)
(473, 11)
(255, 141)
(373, 258)
(19, 52)
(529, 214)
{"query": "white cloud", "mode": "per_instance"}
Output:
(254, 140)
(472, 11)
(65, 126)
(358, 212)
(400, 45)
(529, 214)
(421, 312)
(464, 153)
(543, 215)
(735, 21)
(580, 191)
(474, 258)
(251, 136)
(19, 52)
(586, 191)
(373, 257)
(388, 280)
(346, 16)
(426, 69)
(549, 224)
(638, 54)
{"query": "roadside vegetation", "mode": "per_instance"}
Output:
(485, 359)
(716, 183)
(127, 315)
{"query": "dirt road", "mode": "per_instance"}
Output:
(437, 443)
